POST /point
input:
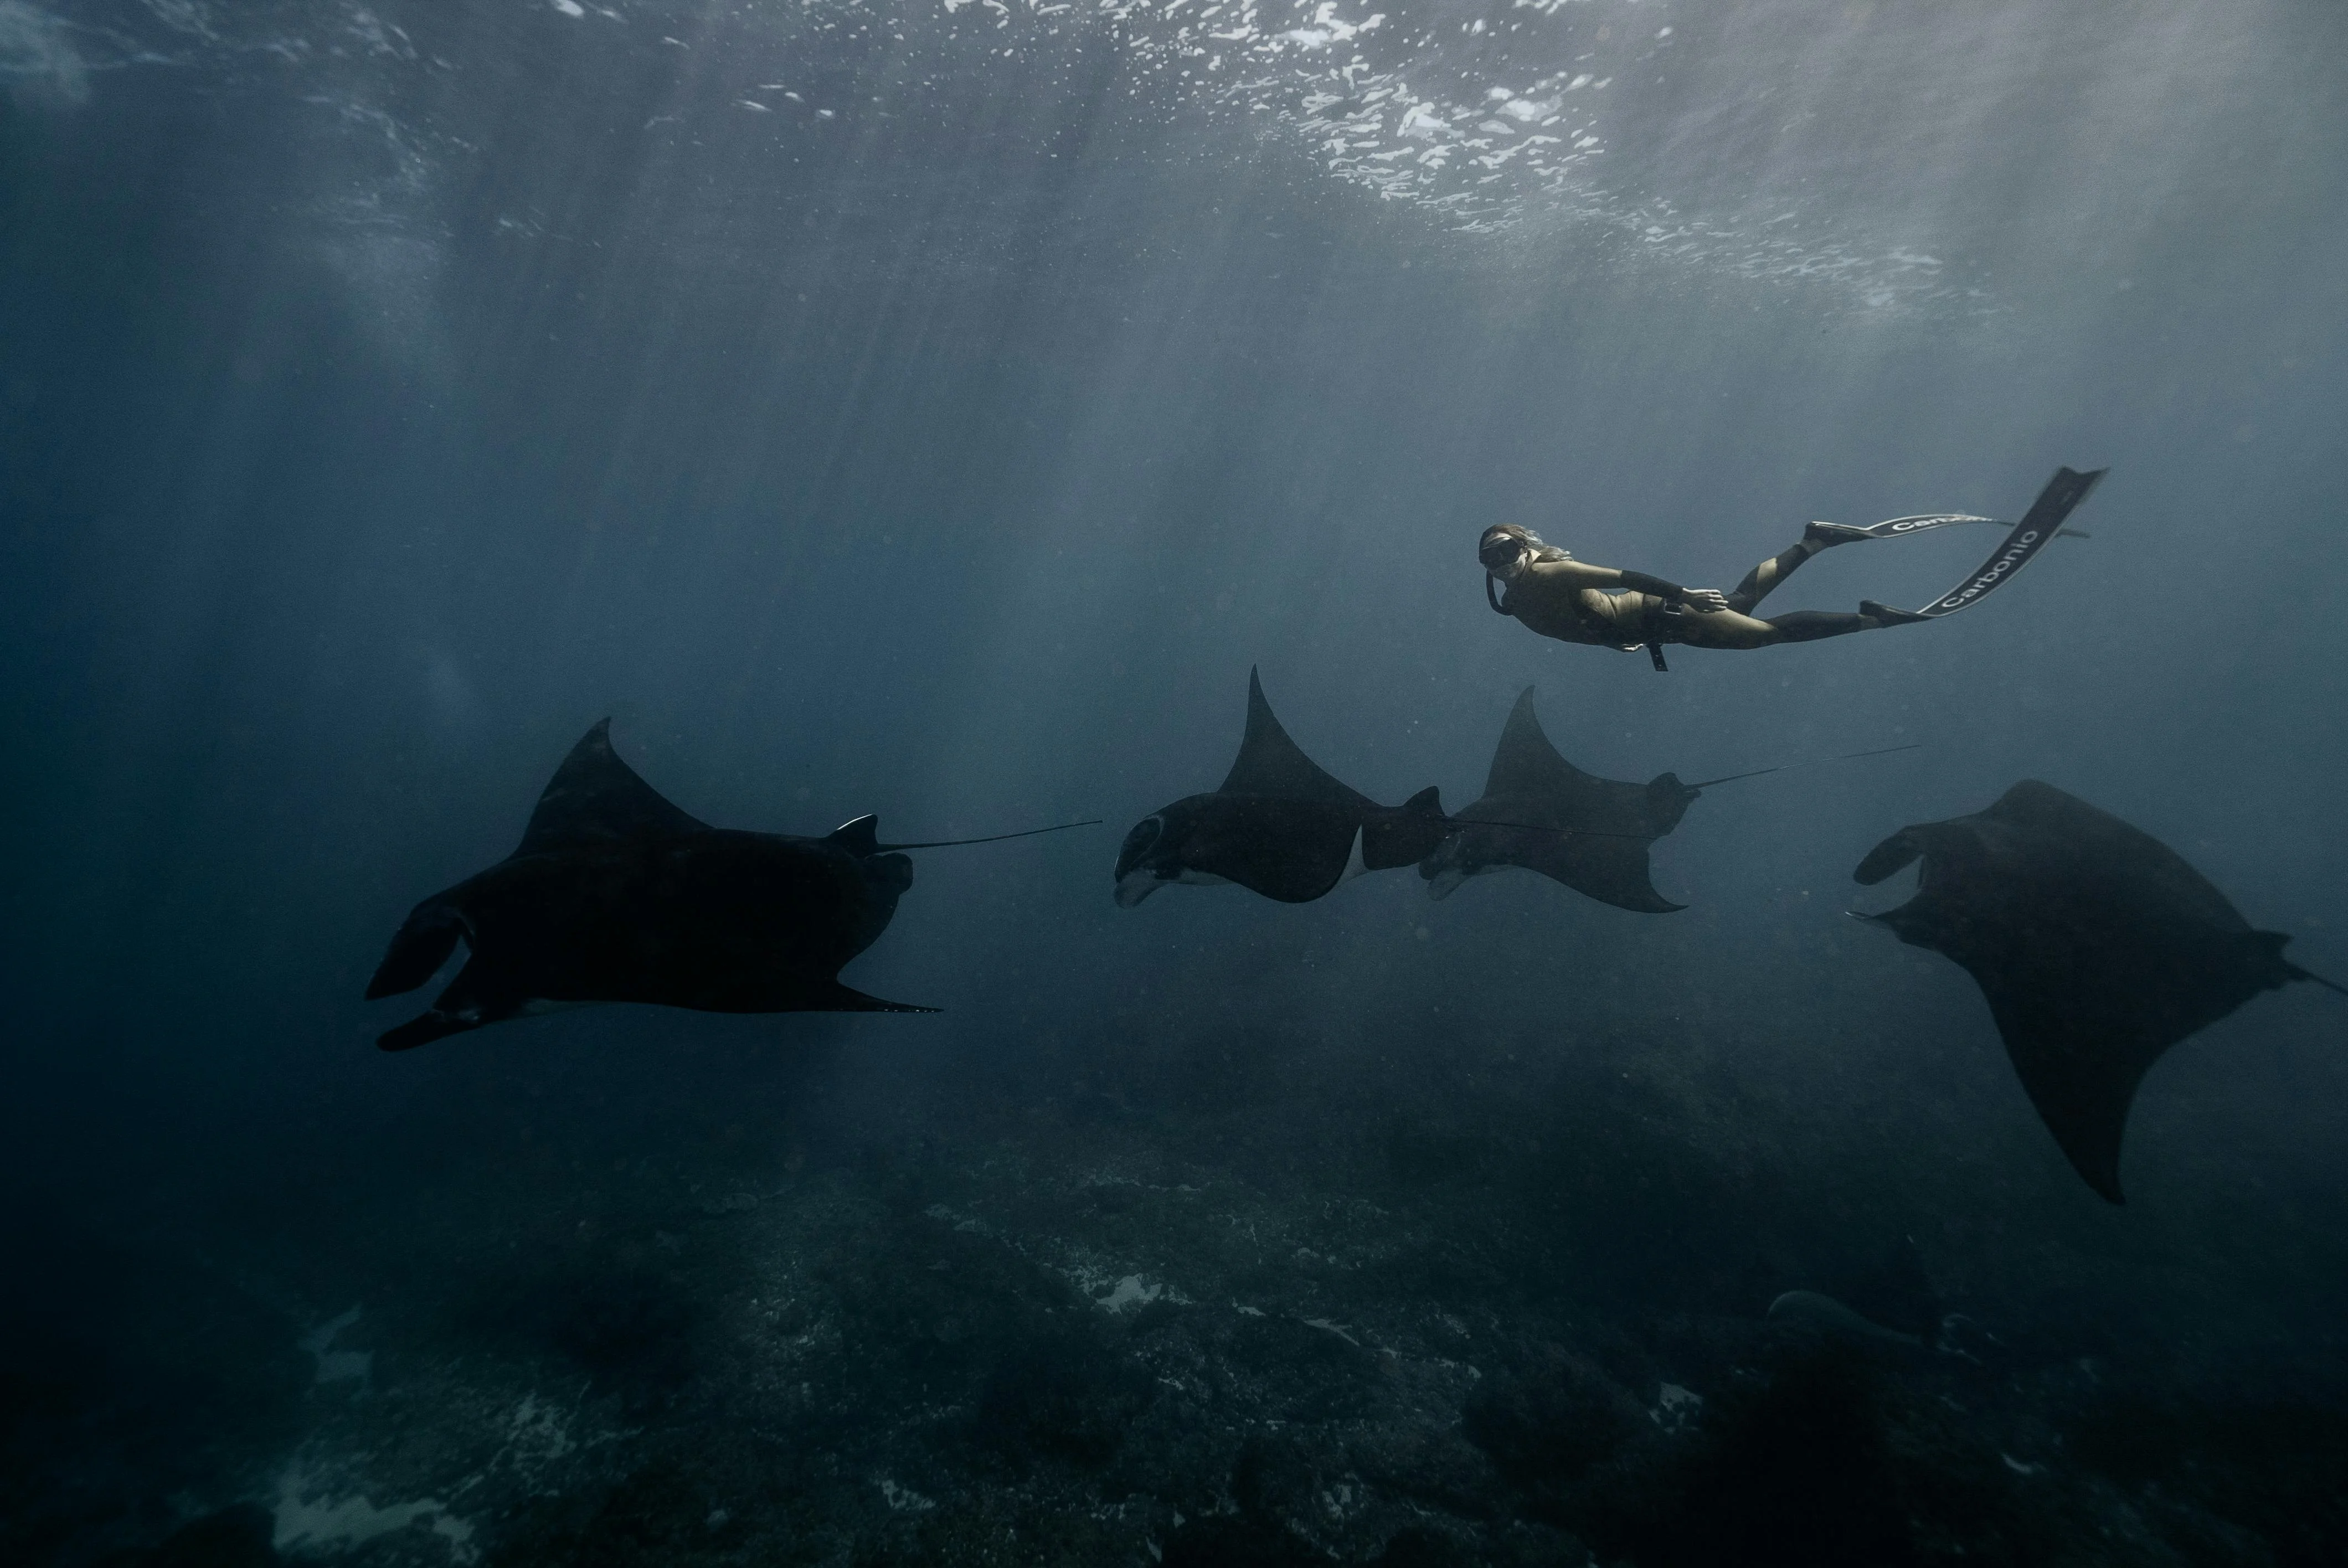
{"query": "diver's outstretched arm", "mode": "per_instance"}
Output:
(1581, 574)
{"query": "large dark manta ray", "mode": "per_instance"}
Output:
(1542, 813)
(616, 896)
(1277, 826)
(2096, 946)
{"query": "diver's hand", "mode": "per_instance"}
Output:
(1704, 601)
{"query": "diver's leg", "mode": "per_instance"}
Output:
(1810, 625)
(1727, 629)
(1767, 575)
(1779, 567)
(1723, 629)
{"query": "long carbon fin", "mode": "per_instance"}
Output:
(2038, 527)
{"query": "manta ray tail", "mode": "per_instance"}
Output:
(1407, 835)
(1807, 762)
(2299, 973)
(994, 837)
(418, 950)
(862, 837)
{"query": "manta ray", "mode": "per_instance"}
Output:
(616, 896)
(1542, 813)
(1277, 826)
(2095, 944)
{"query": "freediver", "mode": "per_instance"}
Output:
(1574, 601)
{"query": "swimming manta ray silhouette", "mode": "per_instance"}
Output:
(1277, 824)
(615, 894)
(2095, 944)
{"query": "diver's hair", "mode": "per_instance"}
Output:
(1514, 536)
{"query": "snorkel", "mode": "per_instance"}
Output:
(1505, 550)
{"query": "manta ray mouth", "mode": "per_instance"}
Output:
(1446, 882)
(1137, 884)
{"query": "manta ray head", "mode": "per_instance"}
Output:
(887, 877)
(1443, 884)
(888, 874)
(1453, 863)
(1156, 852)
(1144, 861)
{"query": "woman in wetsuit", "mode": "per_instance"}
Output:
(1572, 601)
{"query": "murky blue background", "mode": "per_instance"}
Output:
(936, 412)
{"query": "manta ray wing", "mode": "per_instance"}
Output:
(1269, 764)
(1292, 851)
(616, 896)
(1526, 765)
(596, 798)
(847, 998)
(2096, 947)
(1542, 813)
(1612, 870)
(2083, 1036)
(1528, 770)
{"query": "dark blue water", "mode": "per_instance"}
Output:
(937, 412)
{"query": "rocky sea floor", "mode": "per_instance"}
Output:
(1169, 1320)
